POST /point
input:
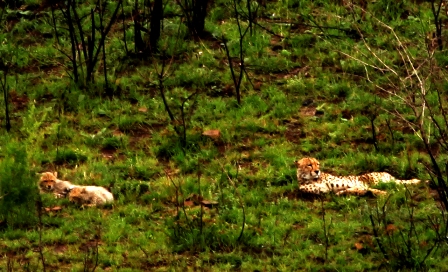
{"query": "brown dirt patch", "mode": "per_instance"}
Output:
(20, 101)
(60, 248)
(221, 146)
(112, 154)
(140, 132)
(384, 91)
(282, 74)
(294, 131)
(308, 111)
(253, 167)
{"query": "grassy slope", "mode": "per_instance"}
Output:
(128, 144)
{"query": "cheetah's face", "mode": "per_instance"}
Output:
(308, 169)
(47, 181)
(75, 195)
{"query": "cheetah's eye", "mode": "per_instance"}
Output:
(310, 165)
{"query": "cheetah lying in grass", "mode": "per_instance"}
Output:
(49, 183)
(90, 196)
(82, 195)
(312, 180)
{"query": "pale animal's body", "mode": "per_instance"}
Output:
(90, 195)
(49, 183)
(312, 180)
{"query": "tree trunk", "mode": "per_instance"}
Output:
(156, 18)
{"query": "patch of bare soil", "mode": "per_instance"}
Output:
(37, 67)
(20, 102)
(294, 131)
(296, 26)
(211, 41)
(222, 147)
(140, 132)
(112, 154)
(435, 195)
(296, 194)
(276, 43)
(347, 114)
(308, 111)
(253, 169)
(227, 90)
(196, 200)
(384, 91)
(434, 147)
(60, 248)
(108, 152)
(277, 75)
(92, 243)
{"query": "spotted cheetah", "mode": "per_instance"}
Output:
(312, 180)
(90, 196)
(49, 183)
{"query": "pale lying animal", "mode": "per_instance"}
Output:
(49, 183)
(312, 180)
(90, 196)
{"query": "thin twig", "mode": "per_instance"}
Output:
(241, 203)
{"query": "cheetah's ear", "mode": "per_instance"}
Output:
(55, 174)
(296, 163)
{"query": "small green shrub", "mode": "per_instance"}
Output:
(195, 236)
(389, 10)
(18, 189)
(112, 142)
(69, 156)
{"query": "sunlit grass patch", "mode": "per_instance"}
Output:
(227, 200)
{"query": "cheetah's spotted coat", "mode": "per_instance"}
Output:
(90, 196)
(312, 180)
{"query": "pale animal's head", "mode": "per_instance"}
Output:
(76, 195)
(47, 181)
(308, 169)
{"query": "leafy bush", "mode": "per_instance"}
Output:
(18, 189)
(69, 157)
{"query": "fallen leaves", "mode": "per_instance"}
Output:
(391, 228)
(358, 246)
(53, 209)
(212, 133)
(208, 203)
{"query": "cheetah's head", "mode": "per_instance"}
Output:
(307, 170)
(47, 181)
(75, 194)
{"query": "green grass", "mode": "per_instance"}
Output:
(129, 144)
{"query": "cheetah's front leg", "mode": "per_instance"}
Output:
(83, 206)
(360, 191)
(58, 195)
(315, 188)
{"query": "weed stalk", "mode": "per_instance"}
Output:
(324, 221)
(241, 203)
(39, 208)
(4, 85)
(436, 6)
